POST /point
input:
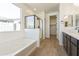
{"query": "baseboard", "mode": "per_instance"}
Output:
(47, 38)
(61, 44)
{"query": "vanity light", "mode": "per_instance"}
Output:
(65, 17)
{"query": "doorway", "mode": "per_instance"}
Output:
(53, 26)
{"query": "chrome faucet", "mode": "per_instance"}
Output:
(77, 28)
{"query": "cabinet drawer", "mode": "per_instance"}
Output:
(69, 48)
(74, 41)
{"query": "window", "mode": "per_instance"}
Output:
(9, 17)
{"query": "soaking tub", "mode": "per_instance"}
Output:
(21, 43)
(17, 47)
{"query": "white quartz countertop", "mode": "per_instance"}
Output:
(73, 34)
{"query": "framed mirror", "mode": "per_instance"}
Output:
(68, 21)
(77, 20)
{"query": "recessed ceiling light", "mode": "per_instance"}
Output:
(34, 9)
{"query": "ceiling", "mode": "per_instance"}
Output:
(48, 7)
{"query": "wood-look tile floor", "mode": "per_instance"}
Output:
(49, 47)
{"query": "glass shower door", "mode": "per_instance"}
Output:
(30, 22)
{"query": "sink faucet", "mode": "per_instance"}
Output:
(76, 28)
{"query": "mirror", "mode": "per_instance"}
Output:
(77, 20)
(68, 21)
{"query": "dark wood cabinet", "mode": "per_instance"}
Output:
(66, 43)
(64, 40)
(73, 49)
(71, 45)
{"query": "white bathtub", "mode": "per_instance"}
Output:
(19, 42)
(16, 47)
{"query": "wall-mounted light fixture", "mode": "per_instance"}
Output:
(65, 17)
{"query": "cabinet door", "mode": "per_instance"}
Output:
(73, 50)
(64, 40)
(68, 44)
(78, 51)
(69, 48)
(78, 47)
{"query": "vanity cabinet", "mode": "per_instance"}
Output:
(73, 50)
(74, 46)
(68, 46)
(66, 43)
(71, 45)
(64, 40)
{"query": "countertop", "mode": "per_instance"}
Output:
(72, 33)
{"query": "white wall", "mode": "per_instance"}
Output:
(47, 26)
(33, 34)
(41, 15)
(66, 9)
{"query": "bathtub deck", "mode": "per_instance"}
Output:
(14, 47)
